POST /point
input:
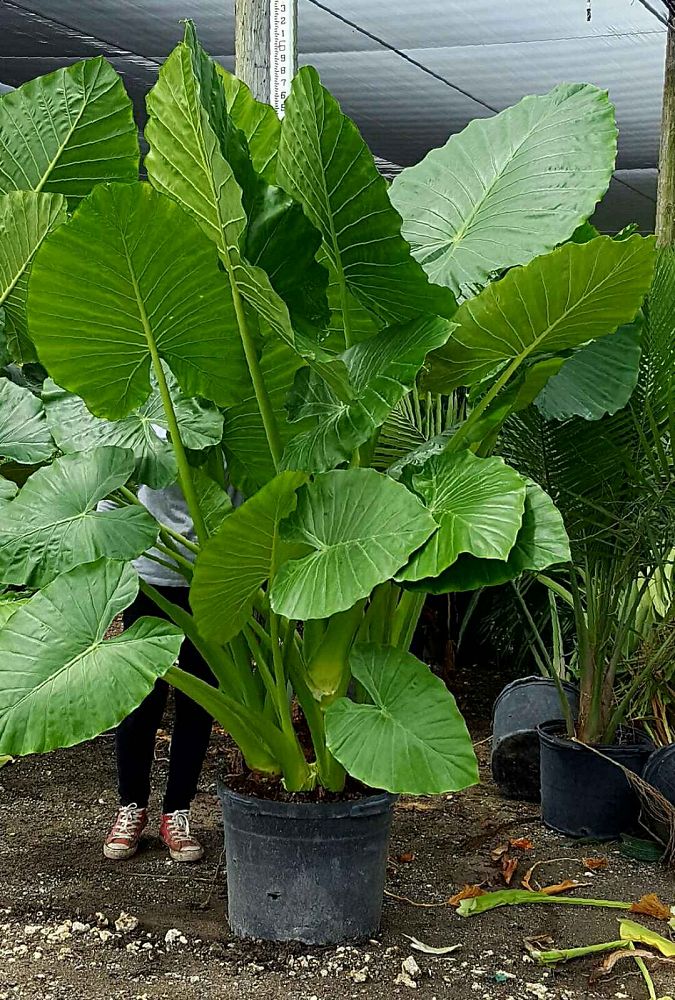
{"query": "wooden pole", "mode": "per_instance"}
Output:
(252, 46)
(665, 199)
(265, 47)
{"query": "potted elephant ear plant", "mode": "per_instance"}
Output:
(259, 299)
(600, 438)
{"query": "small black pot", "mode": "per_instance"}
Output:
(660, 772)
(583, 795)
(311, 872)
(520, 708)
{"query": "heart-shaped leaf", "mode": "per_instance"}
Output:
(61, 681)
(412, 738)
(241, 557)
(53, 525)
(24, 433)
(325, 164)
(478, 504)
(542, 542)
(258, 121)
(68, 131)
(249, 461)
(74, 427)
(25, 220)
(360, 527)
(381, 371)
(575, 294)
(108, 290)
(597, 380)
(509, 188)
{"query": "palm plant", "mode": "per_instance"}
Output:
(613, 481)
(259, 299)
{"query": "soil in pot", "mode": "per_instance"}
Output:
(305, 871)
(584, 795)
(520, 708)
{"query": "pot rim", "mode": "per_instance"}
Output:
(568, 686)
(366, 805)
(551, 734)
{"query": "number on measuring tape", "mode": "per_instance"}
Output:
(282, 51)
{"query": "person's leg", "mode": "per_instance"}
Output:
(135, 747)
(190, 738)
(189, 743)
(135, 735)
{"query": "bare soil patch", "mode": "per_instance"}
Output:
(60, 901)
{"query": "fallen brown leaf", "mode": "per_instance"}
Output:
(499, 852)
(509, 868)
(651, 906)
(538, 942)
(610, 960)
(555, 890)
(522, 843)
(468, 892)
(405, 858)
(594, 864)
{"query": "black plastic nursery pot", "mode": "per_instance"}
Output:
(521, 707)
(583, 795)
(660, 773)
(311, 872)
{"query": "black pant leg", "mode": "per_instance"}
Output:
(135, 735)
(191, 735)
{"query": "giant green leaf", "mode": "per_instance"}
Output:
(24, 434)
(281, 240)
(61, 681)
(186, 161)
(25, 220)
(597, 380)
(258, 121)
(381, 371)
(541, 542)
(109, 289)
(362, 323)
(68, 131)
(75, 428)
(478, 504)
(509, 188)
(8, 490)
(411, 738)
(249, 461)
(241, 557)
(53, 524)
(577, 293)
(360, 526)
(325, 164)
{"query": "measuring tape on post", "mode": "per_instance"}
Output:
(282, 51)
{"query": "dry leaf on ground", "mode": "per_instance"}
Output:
(429, 949)
(553, 890)
(509, 868)
(468, 892)
(405, 858)
(651, 906)
(522, 843)
(610, 960)
(594, 864)
(499, 852)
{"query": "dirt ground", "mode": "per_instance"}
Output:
(60, 901)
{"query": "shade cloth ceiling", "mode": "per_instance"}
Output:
(409, 73)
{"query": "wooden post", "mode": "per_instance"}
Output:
(265, 47)
(665, 199)
(252, 45)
